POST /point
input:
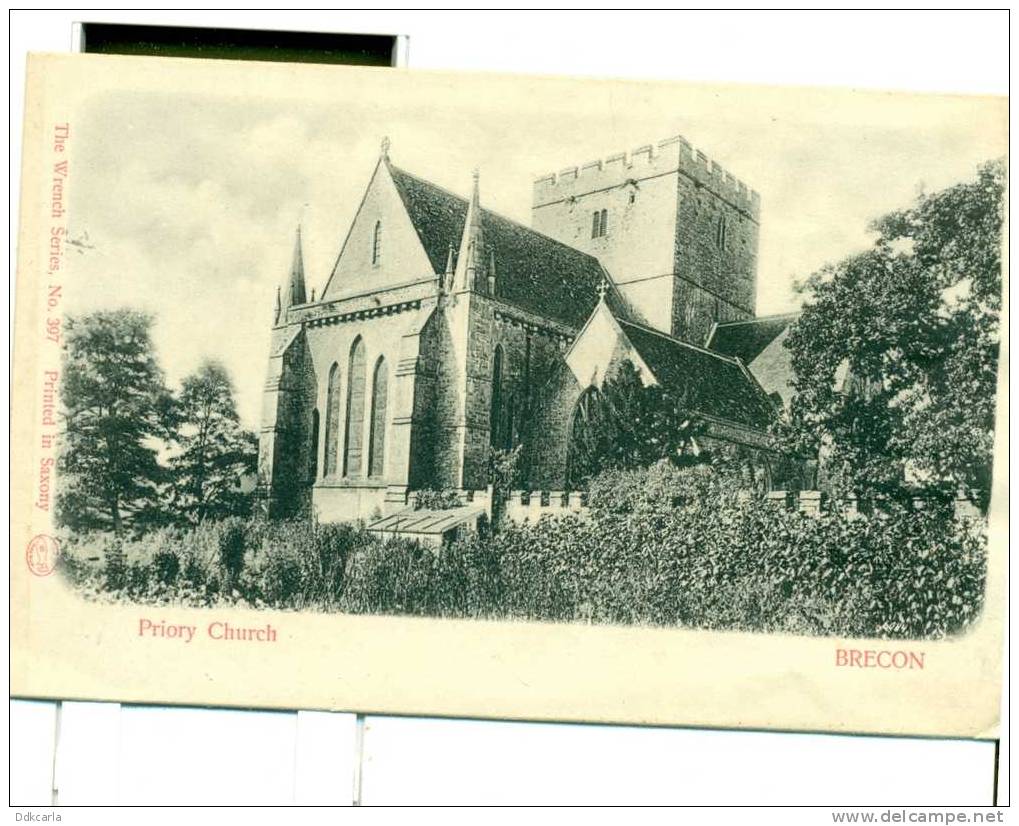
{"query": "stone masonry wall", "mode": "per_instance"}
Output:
(716, 272)
(285, 450)
(531, 347)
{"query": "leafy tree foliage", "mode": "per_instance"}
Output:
(116, 409)
(215, 451)
(627, 425)
(896, 351)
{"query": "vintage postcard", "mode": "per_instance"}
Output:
(509, 397)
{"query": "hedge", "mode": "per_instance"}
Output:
(661, 546)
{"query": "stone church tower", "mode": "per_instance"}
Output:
(676, 231)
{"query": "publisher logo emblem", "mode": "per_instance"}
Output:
(41, 555)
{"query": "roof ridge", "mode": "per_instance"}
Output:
(674, 340)
(495, 214)
(754, 320)
(403, 171)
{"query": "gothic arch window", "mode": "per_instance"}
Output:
(332, 429)
(582, 447)
(720, 232)
(495, 414)
(313, 451)
(604, 222)
(354, 426)
(377, 243)
(377, 435)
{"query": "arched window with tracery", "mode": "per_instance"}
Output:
(354, 427)
(584, 445)
(377, 435)
(495, 413)
(332, 428)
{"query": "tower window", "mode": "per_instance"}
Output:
(720, 232)
(377, 243)
(599, 223)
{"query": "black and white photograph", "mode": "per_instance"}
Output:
(488, 353)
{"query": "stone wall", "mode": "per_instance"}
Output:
(400, 253)
(531, 348)
(546, 446)
(816, 502)
(716, 276)
(392, 337)
(285, 451)
(530, 506)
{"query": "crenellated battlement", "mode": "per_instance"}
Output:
(671, 155)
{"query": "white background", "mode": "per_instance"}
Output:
(104, 754)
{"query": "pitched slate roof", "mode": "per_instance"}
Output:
(533, 271)
(714, 385)
(746, 339)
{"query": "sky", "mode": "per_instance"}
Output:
(190, 196)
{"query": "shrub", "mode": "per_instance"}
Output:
(391, 577)
(437, 500)
(114, 565)
(663, 546)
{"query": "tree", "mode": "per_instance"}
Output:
(626, 425)
(895, 353)
(116, 411)
(215, 451)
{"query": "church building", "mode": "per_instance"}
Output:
(446, 331)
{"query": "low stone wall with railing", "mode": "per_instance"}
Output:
(522, 505)
(816, 502)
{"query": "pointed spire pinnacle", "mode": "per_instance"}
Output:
(384, 149)
(470, 262)
(296, 293)
(491, 272)
(446, 276)
(278, 310)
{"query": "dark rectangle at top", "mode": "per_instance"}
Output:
(239, 44)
